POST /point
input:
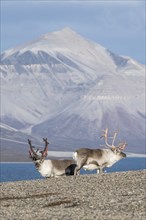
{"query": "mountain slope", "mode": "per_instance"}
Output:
(68, 88)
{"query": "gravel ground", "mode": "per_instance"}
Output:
(117, 196)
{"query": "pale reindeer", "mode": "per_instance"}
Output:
(50, 168)
(98, 159)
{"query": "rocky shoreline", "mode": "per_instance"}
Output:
(112, 196)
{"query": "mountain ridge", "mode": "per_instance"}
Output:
(72, 89)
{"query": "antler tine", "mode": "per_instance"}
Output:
(31, 148)
(114, 137)
(105, 135)
(30, 154)
(46, 147)
(45, 140)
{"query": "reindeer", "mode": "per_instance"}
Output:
(91, 159)
(50, 168)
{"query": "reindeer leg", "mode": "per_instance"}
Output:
(78, 173)
(80, 164)
(98, 171)
(101, 170)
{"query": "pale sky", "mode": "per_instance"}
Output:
(118, 25)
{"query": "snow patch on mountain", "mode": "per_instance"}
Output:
(67, 88)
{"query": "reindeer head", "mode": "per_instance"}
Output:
(115, 149)
(38, 155)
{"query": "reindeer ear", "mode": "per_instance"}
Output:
(122, 146)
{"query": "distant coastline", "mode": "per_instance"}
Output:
(63, 154)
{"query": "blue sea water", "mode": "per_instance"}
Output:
(27, 171)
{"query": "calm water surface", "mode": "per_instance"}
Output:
(27, 171)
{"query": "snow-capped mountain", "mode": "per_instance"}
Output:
(67, 88)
